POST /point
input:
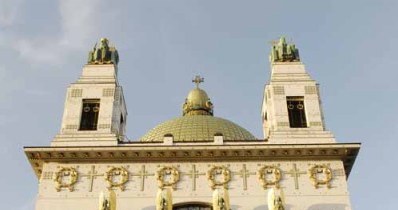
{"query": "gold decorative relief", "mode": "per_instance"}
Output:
(321, 175)
(269, 176)
(167, 176)
(65, 178)
(117, 177)
(219, 176)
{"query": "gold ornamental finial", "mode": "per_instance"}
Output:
(197, 80)
(197, 101)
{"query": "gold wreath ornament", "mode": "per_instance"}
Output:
(167, 171)
(114, 172)
(273, 171)
(321, 170)
(216, 171)
(59, 178)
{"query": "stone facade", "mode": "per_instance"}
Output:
(247, 187)
(303, 164)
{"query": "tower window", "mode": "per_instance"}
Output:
(89, 117)
(296, 110)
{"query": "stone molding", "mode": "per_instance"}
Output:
(345, 152)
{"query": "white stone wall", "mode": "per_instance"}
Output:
(96, 82)
(251, 197)
(291, 79)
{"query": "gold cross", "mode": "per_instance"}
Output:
(92, 175)
(197, 80)
(143, 174)
(193, 174)
(244, 173)
(296, 174)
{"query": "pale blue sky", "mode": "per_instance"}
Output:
(349, 47)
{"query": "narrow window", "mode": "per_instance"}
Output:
(296, 110)
(121, 125)
(121, 120)
(89, 117)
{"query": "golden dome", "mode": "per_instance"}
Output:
(197, 123)
(197, 103)
(197, 128)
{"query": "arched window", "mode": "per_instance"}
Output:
(192, 206)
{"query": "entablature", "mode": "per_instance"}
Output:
(345, 152)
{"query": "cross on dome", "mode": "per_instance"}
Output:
(197, 80)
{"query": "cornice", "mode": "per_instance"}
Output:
(193, 153)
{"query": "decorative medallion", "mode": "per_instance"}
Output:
(269, 176)
(167, 176)
(321, 175)
(219, 176)
(117, 177)
(65, 178)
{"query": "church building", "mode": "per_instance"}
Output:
(196, 161)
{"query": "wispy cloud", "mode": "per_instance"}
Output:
(38, 51)
(79, 22)
(78, 26)
(8, 12)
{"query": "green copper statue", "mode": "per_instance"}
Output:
(103, 54)
(283, 52)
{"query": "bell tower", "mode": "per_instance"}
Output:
(292, 109)
(95, 111)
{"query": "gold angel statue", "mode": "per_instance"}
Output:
(107, 200)
(164, 199)
(221, 199)
(275, 202)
